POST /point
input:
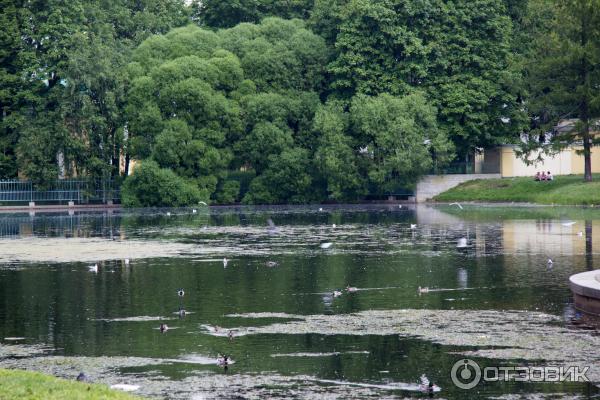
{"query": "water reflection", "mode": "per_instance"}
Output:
(117, 311)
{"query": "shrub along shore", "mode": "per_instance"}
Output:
(16, 384)
(563, 190)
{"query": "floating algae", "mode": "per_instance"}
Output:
(34, 249)
(494, 334)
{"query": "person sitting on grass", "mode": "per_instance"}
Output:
(537, 176)
(549, 176)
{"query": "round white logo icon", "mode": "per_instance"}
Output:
(465, 374)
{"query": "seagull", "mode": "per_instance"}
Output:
(413, 226)
(326, 245)
(272, 228)
(180, 292)
(423, 290)
(457, 204)
(93, 268)
(225, 261)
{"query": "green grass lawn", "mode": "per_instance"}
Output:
(567, 190)
(16, 384)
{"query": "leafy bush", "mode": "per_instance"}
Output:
(152, 186)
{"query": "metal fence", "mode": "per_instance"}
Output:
(62, 190)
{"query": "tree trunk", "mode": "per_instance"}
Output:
(126, 164)
(584, 107)
(587, 153)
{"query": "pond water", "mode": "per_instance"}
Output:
(491, 296)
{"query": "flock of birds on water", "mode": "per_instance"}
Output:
(225, 361)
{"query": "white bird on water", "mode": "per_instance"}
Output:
(413, 226)
(320, 209)
(168, 214)
(423, 290)
(457, 204)
(326, 245)
(225, 261)
(194, 211)
(180, 293)
(93, 268)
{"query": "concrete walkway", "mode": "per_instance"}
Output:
(586, 291)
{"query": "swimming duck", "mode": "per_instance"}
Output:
(423, 290)
(181, 312)
(351, 289)
(180, 292)
(271, 264)
(223, 360)
(82, 377)
(163, 328)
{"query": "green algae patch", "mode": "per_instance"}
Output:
(15, 384)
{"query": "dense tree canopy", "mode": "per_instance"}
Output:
(266, 101)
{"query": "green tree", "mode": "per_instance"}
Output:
(152, 186)
(399, 138)
(336, 157)
(226, 14)
(563, 75)
(457, 52)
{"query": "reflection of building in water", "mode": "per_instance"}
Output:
(547, 237)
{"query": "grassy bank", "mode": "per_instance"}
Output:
(16, 384)
(567, 190)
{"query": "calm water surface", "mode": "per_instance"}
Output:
(115, 312)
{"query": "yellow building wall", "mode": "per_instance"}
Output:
(511, 165)
(507, 155)
(578, 163)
